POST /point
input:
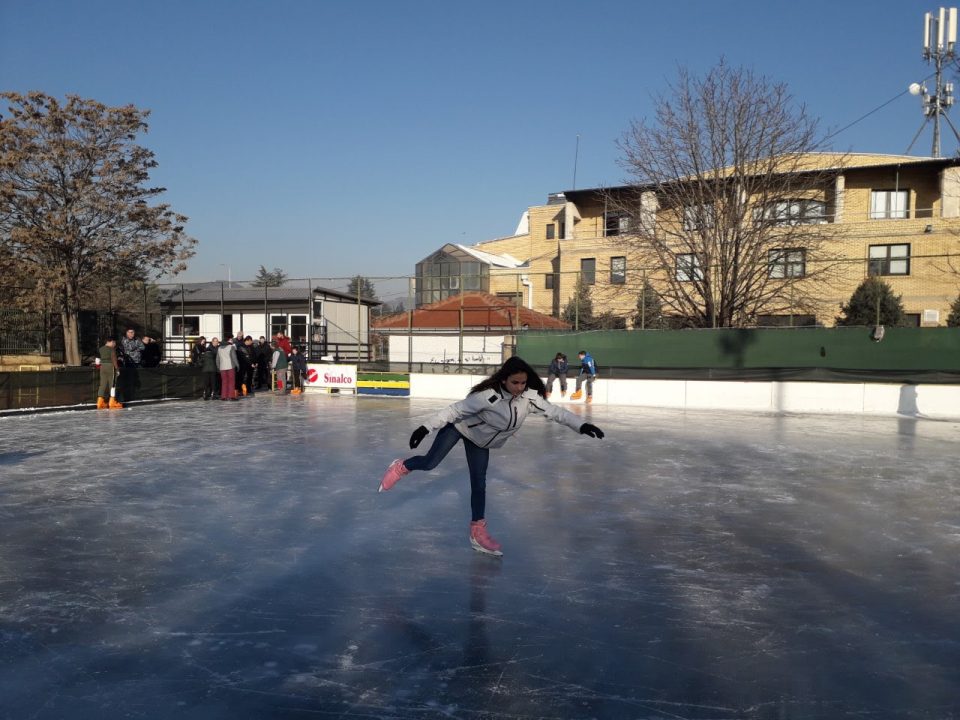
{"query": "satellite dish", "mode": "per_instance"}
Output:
(915, 88)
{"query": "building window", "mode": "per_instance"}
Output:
(615, 223)
(889, 204)
(563, 230)
(278, 323)
(588, 271)
(889, 260)
(298, 329)
(688, 268)
(787, 263)
(618, 270)
(185, 325)
(550, 281)
(551, 231)
(698, 217)
(795, 212)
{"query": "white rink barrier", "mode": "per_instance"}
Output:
(933, 401)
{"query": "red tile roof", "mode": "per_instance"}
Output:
(481, 311)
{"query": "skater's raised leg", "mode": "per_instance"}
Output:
(443, 443)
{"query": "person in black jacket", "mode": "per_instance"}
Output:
(558, 370)
(196, 350)
(263, 354)
(245, 359)
(208, 366)
(298, 363)
(150, 356)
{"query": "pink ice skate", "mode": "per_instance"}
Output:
(393, 474)
(480, 539)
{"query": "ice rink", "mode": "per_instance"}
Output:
(218, 561)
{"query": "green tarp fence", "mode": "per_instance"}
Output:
(919, 355)
(904, 355)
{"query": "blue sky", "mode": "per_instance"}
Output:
(335, 138)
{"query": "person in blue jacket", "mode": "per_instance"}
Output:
(489, 416)
(588, 372)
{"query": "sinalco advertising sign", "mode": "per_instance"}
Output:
(322, 375)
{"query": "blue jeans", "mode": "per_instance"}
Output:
(477, 459)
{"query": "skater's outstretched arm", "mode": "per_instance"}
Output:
(564, 417)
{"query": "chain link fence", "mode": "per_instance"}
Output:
(369, 319)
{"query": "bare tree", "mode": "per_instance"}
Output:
(74, 209)
(725, 207)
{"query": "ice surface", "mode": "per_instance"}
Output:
(218, 561)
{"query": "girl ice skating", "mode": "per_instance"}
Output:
(492, 412)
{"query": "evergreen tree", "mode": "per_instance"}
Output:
(579, 309)
(862, 308)
(367, 290)
(649, 309)
(267, 278)
(953, 319)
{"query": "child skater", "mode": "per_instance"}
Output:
(492, 412)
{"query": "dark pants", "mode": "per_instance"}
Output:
(477, 459)
(589, 381)
(128, 382)
(209, 384)
(563, 382)
(297, 381)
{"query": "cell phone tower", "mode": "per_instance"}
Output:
(939, 46)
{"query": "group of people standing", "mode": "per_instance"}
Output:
(559, 368)
(239, 365)
(118, 365)
(236, 367)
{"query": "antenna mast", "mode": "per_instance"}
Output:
(576, 157)
(939, 45)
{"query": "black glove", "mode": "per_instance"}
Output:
(420, 433)
(585, 429)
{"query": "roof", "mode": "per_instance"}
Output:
(215, 292)
(814, 161)
(481, 311)
(501, 260)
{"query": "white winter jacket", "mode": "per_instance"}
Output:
(490, 417)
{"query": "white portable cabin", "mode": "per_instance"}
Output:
(326, 323)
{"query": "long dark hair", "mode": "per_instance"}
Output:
(512, 366)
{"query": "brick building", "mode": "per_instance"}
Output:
(893, 216)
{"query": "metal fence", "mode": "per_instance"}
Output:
(927, 285)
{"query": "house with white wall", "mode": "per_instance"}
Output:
(326, 323)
